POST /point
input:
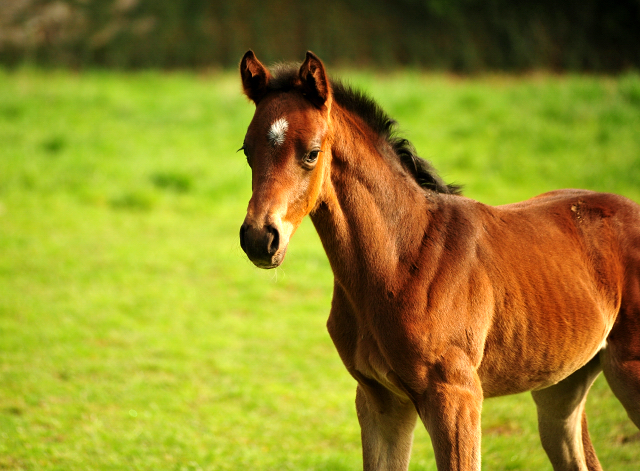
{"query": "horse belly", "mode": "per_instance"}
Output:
(544, 350)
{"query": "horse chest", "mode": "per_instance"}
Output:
(395, 371)
(372, 349)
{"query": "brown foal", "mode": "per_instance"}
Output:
(440, 301)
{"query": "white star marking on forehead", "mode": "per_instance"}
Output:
(278, 131)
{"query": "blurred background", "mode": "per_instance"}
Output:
(134, 332)
(455, 35)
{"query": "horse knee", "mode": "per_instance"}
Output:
(450, 408)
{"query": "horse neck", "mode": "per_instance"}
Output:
(372, 215)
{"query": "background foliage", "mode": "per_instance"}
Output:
(458, 35)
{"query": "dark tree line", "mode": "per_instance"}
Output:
(457, 35)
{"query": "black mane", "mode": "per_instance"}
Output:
(285, 78)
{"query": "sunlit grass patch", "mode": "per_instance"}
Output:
(134, 333)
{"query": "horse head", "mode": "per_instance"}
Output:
(287, 148)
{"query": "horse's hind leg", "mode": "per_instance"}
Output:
(621, 360)
(562, 423)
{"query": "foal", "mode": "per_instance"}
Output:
(440, 301)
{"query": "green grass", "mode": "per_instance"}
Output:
(134, 334)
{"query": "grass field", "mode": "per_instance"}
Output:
(134, 334)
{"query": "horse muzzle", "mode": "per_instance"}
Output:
(263, 244)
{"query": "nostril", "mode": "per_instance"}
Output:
(243, 231)
(261, 244)
(273, 240)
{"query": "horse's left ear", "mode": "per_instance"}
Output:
(255, 77)
(314, 80)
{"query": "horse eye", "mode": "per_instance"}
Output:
(244, 151)
(312, 157)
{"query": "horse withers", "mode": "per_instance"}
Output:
(440, 301)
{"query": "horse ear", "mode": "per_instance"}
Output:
(314, 79)
(255, 77)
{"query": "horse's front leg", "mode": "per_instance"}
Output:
(387, 423)
(450, 408)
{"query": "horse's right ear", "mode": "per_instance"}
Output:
(255, 77)
(314, 80)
